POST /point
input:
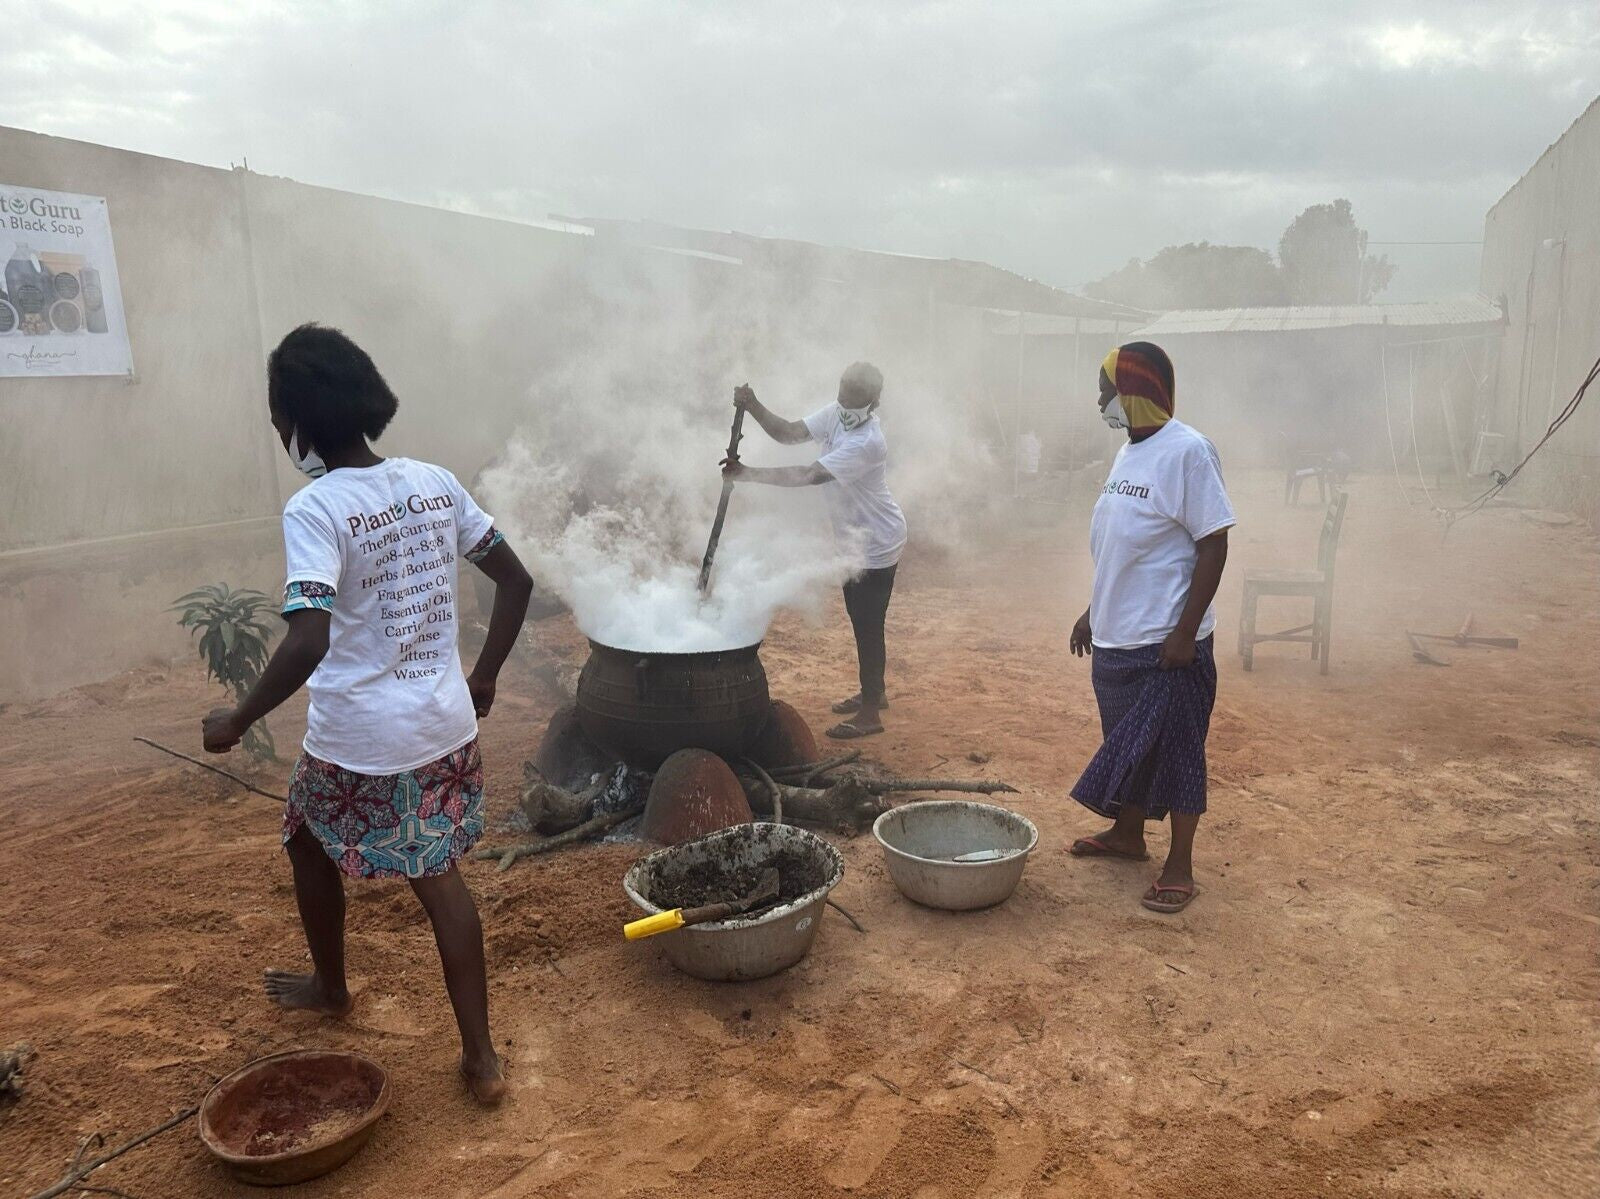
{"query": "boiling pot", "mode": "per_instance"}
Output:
(645, 707)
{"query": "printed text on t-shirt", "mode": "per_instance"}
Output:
(1123, 487)
(417, 555)
(415, 503)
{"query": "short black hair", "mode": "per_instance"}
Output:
(328, 388)
(863, 379)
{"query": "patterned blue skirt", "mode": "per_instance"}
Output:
(1154, 723)
(414, 824)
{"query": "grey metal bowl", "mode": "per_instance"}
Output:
(921, 842)
(747, 947)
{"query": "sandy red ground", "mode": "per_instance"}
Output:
(1388, 986)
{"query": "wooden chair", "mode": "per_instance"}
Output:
(1306, 466)
(1300, 465)
(1316, 584)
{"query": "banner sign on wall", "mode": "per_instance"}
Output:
(60, 300)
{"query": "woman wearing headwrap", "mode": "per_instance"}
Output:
(1159, 538)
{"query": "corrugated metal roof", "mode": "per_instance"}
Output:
(1098, 317)
(687, 252)
(1468, 310)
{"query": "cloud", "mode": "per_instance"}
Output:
(1057, 140)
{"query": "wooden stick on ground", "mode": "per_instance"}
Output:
(78, 1173)
(248, 786)
(853, 921)
(979, 787)
(590, 828)
(843, 806)
(810, 770)
(772, 789)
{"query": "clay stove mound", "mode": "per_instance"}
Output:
(566, 756)
(785, 740)
(694, 793)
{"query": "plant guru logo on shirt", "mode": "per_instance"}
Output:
(1123, 487)
(415, 503)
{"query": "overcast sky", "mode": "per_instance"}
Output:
(1057, 140)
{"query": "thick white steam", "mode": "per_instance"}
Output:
(609, 488)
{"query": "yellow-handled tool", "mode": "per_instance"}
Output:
(665, 922)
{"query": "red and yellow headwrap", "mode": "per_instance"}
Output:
(1142, 375)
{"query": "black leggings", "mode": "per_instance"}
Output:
(866, 599)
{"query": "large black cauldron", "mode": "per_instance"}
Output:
(644, 707)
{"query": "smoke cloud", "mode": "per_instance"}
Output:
(609, 487)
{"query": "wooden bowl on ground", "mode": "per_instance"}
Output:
(293, 1116)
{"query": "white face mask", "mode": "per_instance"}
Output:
(1113, 414)
(853, 418)
(309, 462)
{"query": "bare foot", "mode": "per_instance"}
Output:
(486, 1080)
(305, 992)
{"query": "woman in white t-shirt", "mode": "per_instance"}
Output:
(867, 523)
(390, 783)
(1159, 538)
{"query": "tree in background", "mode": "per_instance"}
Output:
(1197, 275)
(1324, 260)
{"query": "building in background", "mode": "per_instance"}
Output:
(1390, 387)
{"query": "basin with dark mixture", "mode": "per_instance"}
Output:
(643, 707)
(724, 866)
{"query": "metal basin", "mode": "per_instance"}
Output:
(920, 841)
(748, 947)
(645, 707)
(293, 1116)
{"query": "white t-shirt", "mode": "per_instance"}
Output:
(1164, 494)
(390, 695)
(863, 510)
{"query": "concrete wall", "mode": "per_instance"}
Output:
(453, 309)
(1552, 297)
(179, 445)
(118, 495)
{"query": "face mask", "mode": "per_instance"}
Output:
(307, 463)
(854, 418)
(1114, 415)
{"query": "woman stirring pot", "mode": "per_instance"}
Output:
(1159, 539)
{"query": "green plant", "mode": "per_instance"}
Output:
(233, 644)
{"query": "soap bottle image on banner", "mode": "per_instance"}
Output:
(94, 301)
(10, 318)
(28, 289)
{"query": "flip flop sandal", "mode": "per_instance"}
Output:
(1099, 849)
(1150, 901)
(849, 730)
(848, 707)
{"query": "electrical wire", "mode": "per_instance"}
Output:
(1388, 421)
(1416, 441)
(1503, 479)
